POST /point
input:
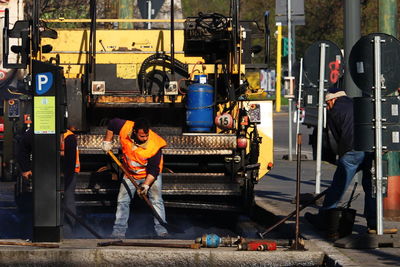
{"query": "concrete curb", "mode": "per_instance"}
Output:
(134, 256)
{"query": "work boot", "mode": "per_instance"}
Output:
(163, 235)
(161, 231)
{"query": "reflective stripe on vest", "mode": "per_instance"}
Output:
(136, 157)
(77, 162)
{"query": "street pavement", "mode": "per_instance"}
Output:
(276, 192)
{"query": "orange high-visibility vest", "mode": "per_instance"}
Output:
(136, 157)
(77, 162)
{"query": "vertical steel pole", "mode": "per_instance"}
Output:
(172, 41)
(299, 101)
(149, 7)
(320, 117)
(378, 134)
(289, 22)
(290, 102)
(298, 175)
(278, 67)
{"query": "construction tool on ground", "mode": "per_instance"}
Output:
(80, 220)
(293, 213)
(261, 245)
(214, 241)
(147, 244)
(40, 245)
(297, 244)
(169, 227)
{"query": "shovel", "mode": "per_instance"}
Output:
(170, 228)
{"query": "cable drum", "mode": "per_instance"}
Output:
(361, 63)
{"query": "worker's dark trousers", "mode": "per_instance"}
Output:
(348, 165)
(69, 202)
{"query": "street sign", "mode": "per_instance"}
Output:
(361, 63)
(333, 67)
(297, 15)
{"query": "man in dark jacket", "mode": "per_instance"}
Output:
(70, 168)
(340, 123)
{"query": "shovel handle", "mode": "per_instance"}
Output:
(126, 172)
(144, 197)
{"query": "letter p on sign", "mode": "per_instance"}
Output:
(44, 81)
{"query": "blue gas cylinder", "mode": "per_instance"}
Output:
(199, 107)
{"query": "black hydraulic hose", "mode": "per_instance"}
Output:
(164, 57)
(160, 60)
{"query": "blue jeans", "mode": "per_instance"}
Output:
(124, 201)
(348, 165)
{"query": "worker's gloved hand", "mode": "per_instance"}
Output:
(106, 146)
(144, 188)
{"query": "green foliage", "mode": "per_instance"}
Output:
(193, 7)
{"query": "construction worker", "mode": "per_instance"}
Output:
(71, 168)
(142, 155)
(340, 123)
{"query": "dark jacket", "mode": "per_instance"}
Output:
(24, 151)
(69, 159)
(341, 124)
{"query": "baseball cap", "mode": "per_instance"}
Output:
(334, 93)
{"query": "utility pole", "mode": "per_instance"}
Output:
(352, 33)
(388, 17)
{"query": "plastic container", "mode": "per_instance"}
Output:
(199, 107)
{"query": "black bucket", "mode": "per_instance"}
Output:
(339, 222)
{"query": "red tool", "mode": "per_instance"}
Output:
(258, 245)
